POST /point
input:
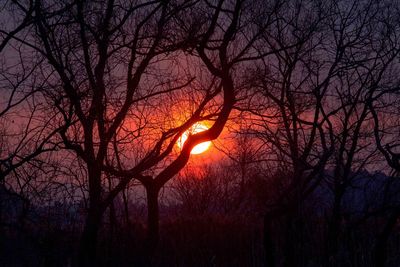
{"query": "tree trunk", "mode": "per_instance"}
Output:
(294, 252)
(268, 243)
(332, 236)
(111, 233)
(126, 209)
(380, 245)
(294, 241)
(152, 219)
(88, 245)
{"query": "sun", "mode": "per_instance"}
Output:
(196, 128)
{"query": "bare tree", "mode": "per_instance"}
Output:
(115, 84)
(315, 101)
(292, 118)
(367, 60)
(383, 107)
(106, 70)
(23, 137)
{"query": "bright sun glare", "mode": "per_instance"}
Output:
(196, 128)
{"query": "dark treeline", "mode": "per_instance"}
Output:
(300, 98)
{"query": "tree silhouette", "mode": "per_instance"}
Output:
(99, 58)
(96, 95)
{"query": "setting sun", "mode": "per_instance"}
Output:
(196, 128)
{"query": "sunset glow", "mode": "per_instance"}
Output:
(196, 128)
